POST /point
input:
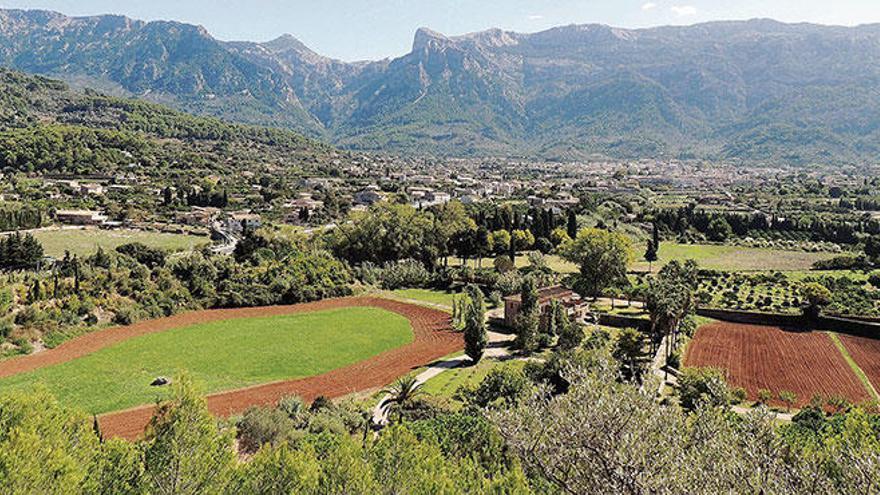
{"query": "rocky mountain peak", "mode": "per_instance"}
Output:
(426, 38)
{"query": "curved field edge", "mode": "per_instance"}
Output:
(434, 339)
(221, 355)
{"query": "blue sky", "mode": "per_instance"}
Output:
(373, 29)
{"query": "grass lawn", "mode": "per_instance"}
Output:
(445, 384)
(84, 242)
(440, 297)
(732, 258)
(220, 356)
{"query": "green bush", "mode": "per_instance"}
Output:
(266, 426)
(405, 274)
(703, 386)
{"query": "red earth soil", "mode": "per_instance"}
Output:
(433, 339)
(866, 353)
(763, 357)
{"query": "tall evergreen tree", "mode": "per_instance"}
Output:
(572, 224)
(475, 337)
(651, 255)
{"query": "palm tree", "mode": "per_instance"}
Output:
(401, 394)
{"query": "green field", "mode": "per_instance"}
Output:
(732, 258)
(221, 355)
(433, 297)
(84, 242)
(447, 383)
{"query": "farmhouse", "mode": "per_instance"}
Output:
(569, 299)
(369, 196)
(80, 217)
(239, 221)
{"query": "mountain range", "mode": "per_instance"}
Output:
(758, 91)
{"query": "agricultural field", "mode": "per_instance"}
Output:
(221, 355)
(770, 358)
(776, 292)
(731, 258)
(760, 292)
(866, 354)
(84, 242)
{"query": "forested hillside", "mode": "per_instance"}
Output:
(48, 128)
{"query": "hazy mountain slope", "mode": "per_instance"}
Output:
(46, 127)
(162, 60)
(757, 90)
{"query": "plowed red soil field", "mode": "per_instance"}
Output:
(763, 357)
(433, 339)
(866, 353)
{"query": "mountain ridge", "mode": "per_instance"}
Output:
(757, 90)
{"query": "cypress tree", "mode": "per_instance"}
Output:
(572, 224)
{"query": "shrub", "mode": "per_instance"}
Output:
(503, 264)
(811, 418)
(369, 273)
(125, 316)
(292, 405)
(544, 245)
(143, 254)
(703, 386)
(260, 426)
(738, 395)
(674, 359)
(495, 299)
(764, 396)
(842, 263)
(406, 273)
(509, 283)
(506, 385)
(788, 398)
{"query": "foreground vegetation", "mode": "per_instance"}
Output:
(518, 433)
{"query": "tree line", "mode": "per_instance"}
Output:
(679, 221)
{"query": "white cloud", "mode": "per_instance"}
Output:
(535, 17)
(649, 6)
(684, 10)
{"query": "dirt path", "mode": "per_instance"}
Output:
(433, 339)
